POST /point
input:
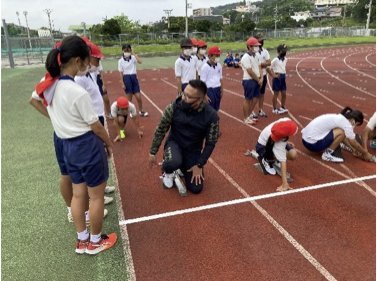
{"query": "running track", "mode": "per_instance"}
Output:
(314, 234)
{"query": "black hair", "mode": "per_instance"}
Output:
(126, 46)
(349, 113)
(71, 47)
(237, 54)
(200, 86)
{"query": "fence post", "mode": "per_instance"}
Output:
(9, 49)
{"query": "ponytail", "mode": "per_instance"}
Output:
(71, 47)
(353, 114)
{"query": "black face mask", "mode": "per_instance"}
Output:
(185, 105)
(283, 54)
(261, 43)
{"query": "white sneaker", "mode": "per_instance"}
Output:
(250, 121)
(168, 180)
(262, 113)
(179, 172)
(327, 156)
(107, 200)
(70, 217)
(268, 168)
(282, 109)
(275, 111)
(109, 189)
(253, 116)
(143, 113)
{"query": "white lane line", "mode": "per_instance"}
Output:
(307, 118)
(363, 184)
(241, 200)
(354, 69)
(344, 82)
(123, 228)
(366, 58)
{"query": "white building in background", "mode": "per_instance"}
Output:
(44, 33)
(329, 3)
(301, 15)
(202, 12)
(247, 9)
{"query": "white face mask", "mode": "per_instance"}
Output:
(93, 69)
(256, 49)
(202, 51)
(82, 73)
(217, 60)
(194, 50)
(126, 54)
(187, 52)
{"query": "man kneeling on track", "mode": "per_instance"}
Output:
(190, 121)
(273, 144)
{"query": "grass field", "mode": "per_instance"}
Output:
(37, 240)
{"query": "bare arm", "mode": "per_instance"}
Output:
(136, 56)
(284, 185)
(266, 63)
(138, 128)
(121, 79)
(102, 74)
(252, 74)
(365, 137)
(179, 83)
(38, 105)
(366, 155)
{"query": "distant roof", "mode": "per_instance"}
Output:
(79, 27)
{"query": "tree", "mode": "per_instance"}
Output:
(247, 25)
(124, 23)
(111, 27)
(359, 13)
(216, 26)
(96, 29)
(203, 25)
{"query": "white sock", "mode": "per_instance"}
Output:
(69, 210)
(95, 238)
(84, 235)
(329, 150)
(87, 215)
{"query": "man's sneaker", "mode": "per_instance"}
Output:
(267, 167)
(143, 113)
(250, 121)
(81, 246)
(122, 134)
(253, 116)
(282, 109)
(179, 172)
(105, 212)
(168, 180)
(107, 200)
(327, 156)
(262, 113)
(373, 144)
(70, 217)
(275, 111)
(106, 242)
(109, 189)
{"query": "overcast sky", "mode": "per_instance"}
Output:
(73, 12)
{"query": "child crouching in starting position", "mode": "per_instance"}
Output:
(273, 144)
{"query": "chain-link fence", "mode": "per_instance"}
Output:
(27, 51)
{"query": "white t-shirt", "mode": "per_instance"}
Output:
(115, 110)
(319, 127)
(278, 65)
(91, 86)
(95, 74)
(250, 61)
(264, 55)
(185, 68)
(211, 75)
(71, 111)
(34, 94)
(127, 66)
(279, 147)
(372, 122)
(200, 63)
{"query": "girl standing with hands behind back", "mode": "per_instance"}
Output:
(75, 121)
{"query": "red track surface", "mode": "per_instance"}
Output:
(272, 239)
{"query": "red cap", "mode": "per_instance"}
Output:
(95, 51)
(194, 41)
(252, 42)
(214, 50)
(202, 43)
(87, 41)
(122, 102)
(283, 129)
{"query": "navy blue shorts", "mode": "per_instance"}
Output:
(251, 89)
(86, 159)
(100, 85)
(214, 95)
(278, 84)
(321, 144)
(183, 86)
(132, 84)
(102, 120)
(263, 88)
(58, 144)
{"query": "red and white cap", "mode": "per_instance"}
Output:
(283, 129)
(214, 50)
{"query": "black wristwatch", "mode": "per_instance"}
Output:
(200, 166)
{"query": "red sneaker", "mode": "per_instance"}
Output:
(106, 242)
(81, 246)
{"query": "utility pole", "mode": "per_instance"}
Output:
(84, 27)
(276, 18)
(186, 20)
(48, 12)
(368, 6)
(28, 31)
(168, 13)
(18, 16)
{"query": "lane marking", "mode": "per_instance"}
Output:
(366, 58)
(307, 118)
(241, 200)
(354, 69)
(363, 184)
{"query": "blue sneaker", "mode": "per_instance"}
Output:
(373, 144)
(262, 113)
(254, 116)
